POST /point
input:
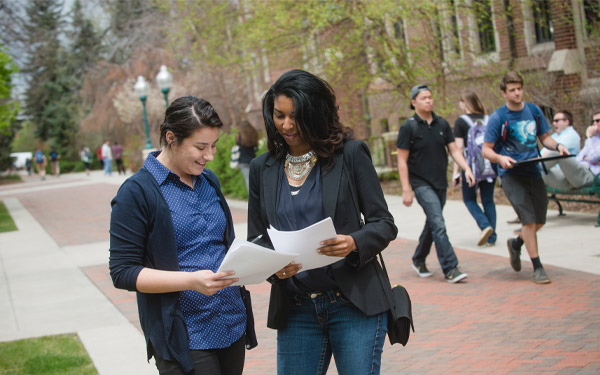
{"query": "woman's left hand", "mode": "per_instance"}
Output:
(340, 246)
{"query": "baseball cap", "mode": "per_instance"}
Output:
(416, 90)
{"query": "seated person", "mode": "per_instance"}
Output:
(564, 133)
(579, 171)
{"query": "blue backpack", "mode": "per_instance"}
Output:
(481, 167)
(39, 157)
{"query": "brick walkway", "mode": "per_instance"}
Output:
(497, 322)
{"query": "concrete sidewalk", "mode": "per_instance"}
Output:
(55, 281)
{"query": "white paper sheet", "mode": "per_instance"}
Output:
(305, 243)
(252, 263)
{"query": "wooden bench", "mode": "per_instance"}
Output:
(586, 195)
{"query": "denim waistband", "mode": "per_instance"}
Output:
(331, 293)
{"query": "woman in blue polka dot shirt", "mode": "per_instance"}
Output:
(315, 169)
(170, 229)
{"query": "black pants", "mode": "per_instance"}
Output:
(120, 166)
(225, 361)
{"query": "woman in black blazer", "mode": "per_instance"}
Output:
(313, 170)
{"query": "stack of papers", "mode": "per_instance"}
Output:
(254, 263)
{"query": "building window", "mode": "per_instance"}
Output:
(454, 27)
(544, 32)
(591, 9)
(399, 30)
(485, 25)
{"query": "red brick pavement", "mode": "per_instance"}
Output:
(496, 322)
(73, 215)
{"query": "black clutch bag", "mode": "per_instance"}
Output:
(400, 316)
(400, 319)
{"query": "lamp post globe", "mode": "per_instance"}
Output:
(141, 88)
(164, 79)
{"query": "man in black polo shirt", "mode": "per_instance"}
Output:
(422, 165)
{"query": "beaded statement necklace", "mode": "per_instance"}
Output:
(298, 167)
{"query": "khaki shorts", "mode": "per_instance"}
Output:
(527, 196)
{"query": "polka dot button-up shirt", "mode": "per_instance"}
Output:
(215, 321)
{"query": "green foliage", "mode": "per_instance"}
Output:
(51, 355)
(8, 109)
(25, 139)
(389, 176)
(232, 181)
(56, 70)
(6, 223)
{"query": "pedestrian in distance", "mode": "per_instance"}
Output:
(511, 136)
(40, 163)
(247, 139)
(313, 170)
(54, 162)
(469, 130)
(170, 230)
(86, 158)
(117, 152)
(423, 141)
(107, 158)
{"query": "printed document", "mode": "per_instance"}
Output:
(305, 243)
(253, 263)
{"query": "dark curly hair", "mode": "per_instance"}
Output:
(315, 114)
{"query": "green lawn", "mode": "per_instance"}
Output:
(6, 222)
(50, 355)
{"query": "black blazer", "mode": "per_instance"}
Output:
(358, 274)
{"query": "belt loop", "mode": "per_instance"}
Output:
(331, 295)
(297, 298)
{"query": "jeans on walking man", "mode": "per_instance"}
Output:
(422, 165)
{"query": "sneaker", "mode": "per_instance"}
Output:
(540, 277)
(421, 269)
(485, 235)
(454, 275)
(516, 220)
(515, 254)
(489, 244)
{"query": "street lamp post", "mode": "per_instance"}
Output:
(141, 90)
(164, 79)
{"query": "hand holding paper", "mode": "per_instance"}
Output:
(252, 263)
(305, 243)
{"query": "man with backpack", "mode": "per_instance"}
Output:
(511, 137)
(40, 163)
(469, 130)
(422, 165)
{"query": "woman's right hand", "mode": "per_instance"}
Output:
(209, 283)
(289, 270)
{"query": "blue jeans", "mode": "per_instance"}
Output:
(107, 167)
(487, 217)
(325, 325)
(432, 201)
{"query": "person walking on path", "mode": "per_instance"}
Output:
(511, 136)
(54, 162)
(117, 152)
(314, 169)
(40, 163)
(422, 165)
(170, 229)
(466, 135)
(86, 158)
(107, 158)
(247, 139)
